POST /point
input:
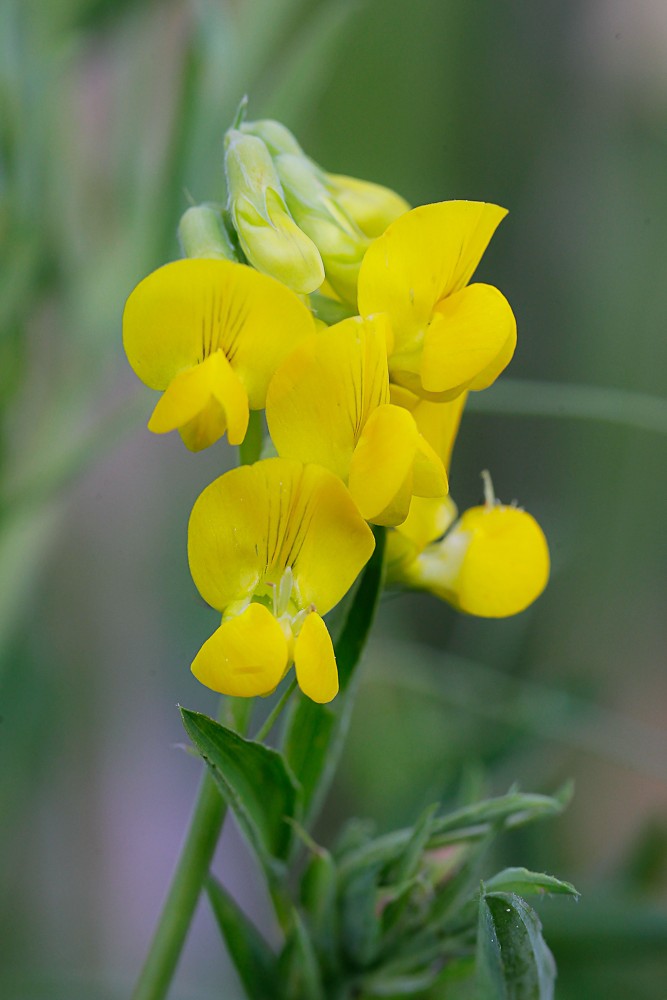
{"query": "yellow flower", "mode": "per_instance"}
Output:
(492, 562)
(449, 336)
(274, 546)
(210, 333)
(329, 403)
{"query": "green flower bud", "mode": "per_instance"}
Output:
(271, 240)
(277, 138)
(202, 233)
(338, 239)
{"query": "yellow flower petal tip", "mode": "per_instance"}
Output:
(449, 336)
(210, 334)
(506, 564)
(284, 538)
(315, 662)
(246, 656)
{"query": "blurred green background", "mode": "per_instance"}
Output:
(110, 113)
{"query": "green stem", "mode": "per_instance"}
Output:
(251, 447)
(272, 717)
(191, 872)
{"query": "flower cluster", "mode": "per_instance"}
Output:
(352, 320)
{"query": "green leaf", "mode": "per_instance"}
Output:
(526, 883)
(513, 960)
(299, 971)
(314, 734)
(255, 963)
(505, 811)
(360, 924)
(254, 781)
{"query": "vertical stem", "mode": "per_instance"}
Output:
(191, 871)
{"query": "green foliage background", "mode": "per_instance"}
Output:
(109, 113)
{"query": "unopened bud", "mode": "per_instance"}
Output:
(338, 239)
(276, 137)
(271, 240)
(202, 233)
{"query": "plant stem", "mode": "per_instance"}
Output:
(188, 880)
(183, 895)
(272, 717)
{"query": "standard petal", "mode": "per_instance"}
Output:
(382, 459)
(246, 656)
(323, 393)
(329, 543)
(254, 522)
(425, 255)
(228, 537)
(315, 661)
(506, 564)
(187, 310)
(469, 334)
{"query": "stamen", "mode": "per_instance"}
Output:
(489, 494)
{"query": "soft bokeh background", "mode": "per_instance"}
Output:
(109, 113)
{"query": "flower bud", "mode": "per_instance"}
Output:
(202, 233)
(276, 137)
(372, 206)
(338, 239)
(271, 240)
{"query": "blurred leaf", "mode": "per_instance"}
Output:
(513, 961)
(299, 973)
(469, 823)
(360, 925)
(521, 881)
(315, 733)
(318, 897)
(253, 960)
(253, 780)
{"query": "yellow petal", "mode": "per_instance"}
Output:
(249, 525)
(246, 656)
(187, 310)
(428, 520)
(382, 459)
(506, 564)
(315, 662)
(204, 401)
(437, 422)
(425, 255)
(323, 393)
(469, 334)
(428, 472)
(372, 206)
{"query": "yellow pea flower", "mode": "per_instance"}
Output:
(492, 562)
(210, 334)
(329, 403)
(274, 546)
(449, 335)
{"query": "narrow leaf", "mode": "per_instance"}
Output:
(513, 960)
(525, 883)
(299, 970)
(255, 963)
(254, 781)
